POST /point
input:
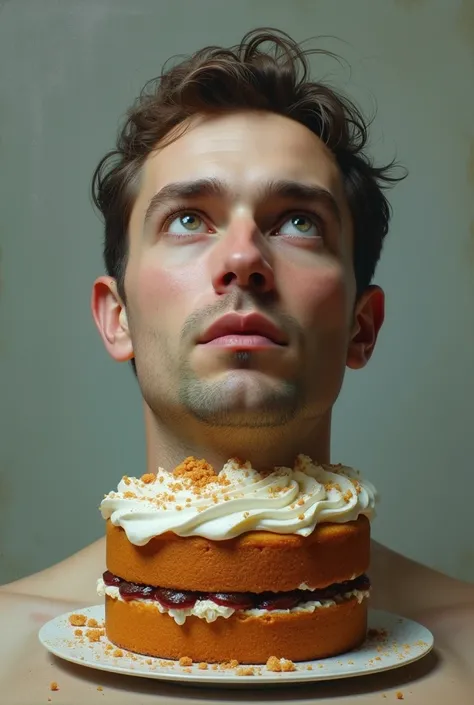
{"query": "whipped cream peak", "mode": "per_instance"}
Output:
(195, 500)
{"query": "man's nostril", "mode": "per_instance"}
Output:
(258, 280)
(227, 278)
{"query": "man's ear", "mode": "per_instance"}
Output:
(368, 319)
(110, 317)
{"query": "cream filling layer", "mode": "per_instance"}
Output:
(210, 611)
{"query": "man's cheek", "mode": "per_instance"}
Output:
(168, 285)
(321, 300)
(150, 286)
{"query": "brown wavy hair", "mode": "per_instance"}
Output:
(268, 71)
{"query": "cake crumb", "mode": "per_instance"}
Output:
(92, 623)
(287, 665)
(78, 632)
(78, 620)
(273, 664)
(309, 667)
(94, 635)
(118, 653)
(332, 486)
(277, 665)
(99, 688)
(149, 661)
(224, 665)
(214, 667)
(126, 479)
(399, 695)
(198, 473)
(301, 517)
(245, 671)
(148, 477)
(109, 647)
(185, 661)
(53, 686)
(203, 666)
(129, 495)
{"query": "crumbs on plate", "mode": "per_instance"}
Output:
(78, 620)
(279, 665)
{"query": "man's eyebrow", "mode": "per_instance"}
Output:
(182, 191)
(303, 193)
(205, 188)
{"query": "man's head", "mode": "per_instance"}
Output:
(243, 224)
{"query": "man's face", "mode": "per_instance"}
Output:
(243, 213)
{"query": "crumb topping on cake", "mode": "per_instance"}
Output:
(148, 477)
(199, 472)
(196, 500)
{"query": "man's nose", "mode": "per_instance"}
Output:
(241, 259)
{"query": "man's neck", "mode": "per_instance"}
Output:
(263, 447)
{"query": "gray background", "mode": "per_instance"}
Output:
(71, 421)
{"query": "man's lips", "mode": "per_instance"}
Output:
(242, 342)
(236, 331)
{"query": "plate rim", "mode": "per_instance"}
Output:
(220, 678)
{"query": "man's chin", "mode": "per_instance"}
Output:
(242, 398)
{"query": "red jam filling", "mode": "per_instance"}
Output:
(181, 599)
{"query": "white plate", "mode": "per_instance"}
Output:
(403, 642)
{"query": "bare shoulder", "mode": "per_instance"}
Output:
(73, 579)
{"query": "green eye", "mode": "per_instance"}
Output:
(190, 221)
(185, 223)
(302, 223)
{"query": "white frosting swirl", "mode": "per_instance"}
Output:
(239, 499)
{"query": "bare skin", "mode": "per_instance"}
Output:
(242, 250)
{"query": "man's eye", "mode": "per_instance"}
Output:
(185, 223)
(300, 224)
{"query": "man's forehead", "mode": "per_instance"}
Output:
(243, 149)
